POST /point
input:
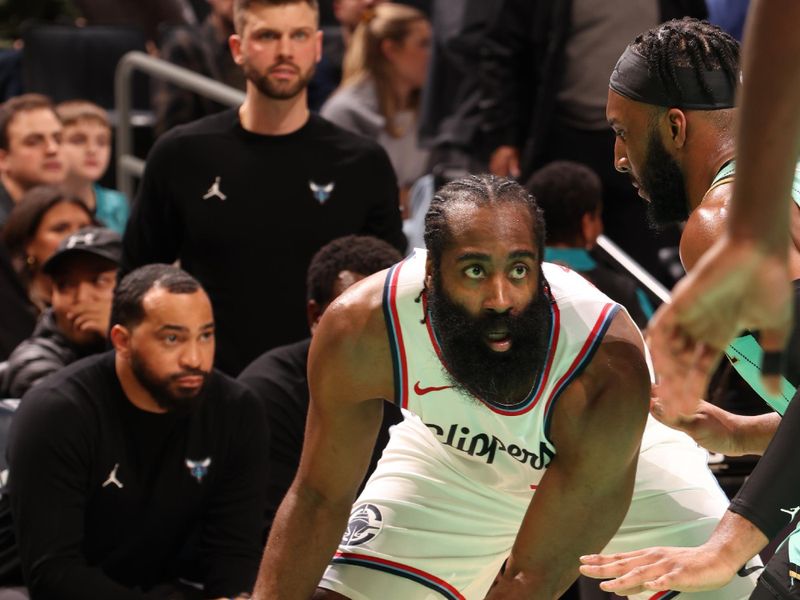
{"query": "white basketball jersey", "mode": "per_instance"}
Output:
(505, 447)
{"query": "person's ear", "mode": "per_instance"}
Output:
(235, 45)
(428, 274)
(318, 44)
(677, 122)
(121, 340)
(591, 228)
(389, 48)
(314, 312)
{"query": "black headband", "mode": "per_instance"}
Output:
(632, 78)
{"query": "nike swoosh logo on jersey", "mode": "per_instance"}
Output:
(421, 391)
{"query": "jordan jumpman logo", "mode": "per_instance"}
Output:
(112, 478)
(215, 191)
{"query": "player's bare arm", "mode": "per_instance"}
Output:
(596, 428)
(706, 567)
(718, 430)
(350, 373)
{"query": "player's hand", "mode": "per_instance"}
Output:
(710, 426)
(735, 286)
(657, 569)
(504, 162)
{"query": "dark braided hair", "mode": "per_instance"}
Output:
(689, 43)
(480, 190)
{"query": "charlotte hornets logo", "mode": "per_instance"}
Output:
(365, 523)
(199, 468)
(321, 192)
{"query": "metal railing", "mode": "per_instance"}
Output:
(634, 268)
(128, 165)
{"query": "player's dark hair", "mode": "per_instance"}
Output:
(480, 190)
(126, 307)
(690, 43)
(362, 254)
(565, 191)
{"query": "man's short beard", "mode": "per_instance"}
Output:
(664, 184)
(270, 90)
(160, 391)
(475, 369)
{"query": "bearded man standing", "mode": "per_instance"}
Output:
(122, 462)
(246, 197)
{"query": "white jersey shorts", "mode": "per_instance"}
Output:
(423, 531)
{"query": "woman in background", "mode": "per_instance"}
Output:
(43, 217)
(384, 70)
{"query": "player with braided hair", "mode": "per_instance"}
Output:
(681, 156)
(689, 43)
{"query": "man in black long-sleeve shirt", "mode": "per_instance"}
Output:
(122, 461)
(245, 198)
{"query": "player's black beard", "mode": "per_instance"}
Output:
(475, 369)
(159, 389)
(662, 181)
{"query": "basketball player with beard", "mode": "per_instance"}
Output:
(671, 104)
(525, 395)
(228, 194)
(135, 467)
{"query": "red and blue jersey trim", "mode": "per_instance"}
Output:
(665, 595)
(532, 400)
(583, 358)
(395, 568)
(395, 332)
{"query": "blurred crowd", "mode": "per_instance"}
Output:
(322, 177)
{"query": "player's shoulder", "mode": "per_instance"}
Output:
(359, 309)
(705, 225)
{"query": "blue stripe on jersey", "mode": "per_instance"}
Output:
(579, 368)
(392, 570)
(391, 330)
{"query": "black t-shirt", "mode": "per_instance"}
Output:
(245, 213)
(278, 378)
(104, 495)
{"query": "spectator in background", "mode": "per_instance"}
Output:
(246, 197)
(120, 460)
(30, 148)
(544, 73)
(279, 377)
(84, 273)
(335, 41)
(204, 49)
(87, 151)
(570, 194)
(729, 15)
(384, 70)
(43, 217)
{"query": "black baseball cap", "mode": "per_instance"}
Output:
(98, 241)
